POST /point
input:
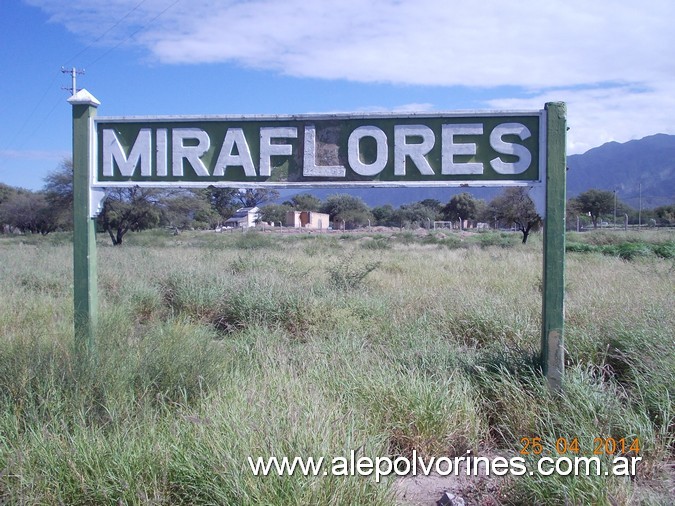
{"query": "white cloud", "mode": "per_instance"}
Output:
(611, 61)
(609, 113)
(441, 42)
(426, 42)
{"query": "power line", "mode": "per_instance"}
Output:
(30, 115)
(49, 87)
(38, 104)
(133, 34)
(100, 37)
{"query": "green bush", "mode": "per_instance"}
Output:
(376, 243)
(347, 275)
(665, 250)
(450, 241)
(406, 237)
(633, 250)
(195, 295)
(431, 239)
(627, 250)
(502, 240)
(580, 247)
(251, 240)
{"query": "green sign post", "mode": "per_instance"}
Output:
(476, 149)
(553, 299)
(85, 293)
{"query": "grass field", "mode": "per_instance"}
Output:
(216, 347)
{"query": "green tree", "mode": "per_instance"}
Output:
(6, 192)
(274, 213)
(225, 201)
(126, 209)
(573, 214)
(385, 215)
(27, 212)
(184, 209)
(304, 202)
(595, 203)
(255, 197)
(344, 207)
(416, 214)
(665, 214)
(432, 204)
(58, 191)
(461, 207)
(514, 205)
(221, 200)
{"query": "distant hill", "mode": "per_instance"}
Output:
(620, 166)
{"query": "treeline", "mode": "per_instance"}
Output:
(595, 207)
(133, 209)
(124, 209)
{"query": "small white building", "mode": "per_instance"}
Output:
(307, 219)
(245, 217)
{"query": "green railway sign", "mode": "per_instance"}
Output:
(460, 149)
(320, 150)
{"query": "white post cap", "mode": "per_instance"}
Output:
(83, 97)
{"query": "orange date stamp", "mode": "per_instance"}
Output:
(562, 446)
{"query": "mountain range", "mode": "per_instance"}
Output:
(645, 166)
(639, 170)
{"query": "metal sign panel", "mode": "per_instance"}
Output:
(451, 149)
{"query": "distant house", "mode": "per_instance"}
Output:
(244, 217)
(307, 219)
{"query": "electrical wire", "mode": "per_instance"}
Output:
(133, 34)
(100, 37)
(13, 141)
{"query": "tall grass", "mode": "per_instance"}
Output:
(213, 348)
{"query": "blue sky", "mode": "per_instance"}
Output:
(611, 61)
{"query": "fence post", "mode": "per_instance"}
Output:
(85, 296)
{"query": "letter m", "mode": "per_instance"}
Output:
(140, 154)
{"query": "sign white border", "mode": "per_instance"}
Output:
(537, 187)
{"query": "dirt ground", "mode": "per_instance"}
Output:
(465, 490)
